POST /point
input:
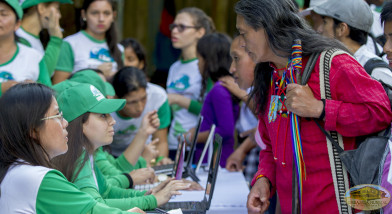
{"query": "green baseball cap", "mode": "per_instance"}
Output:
(91, 77)
(62, 86)
(109, 89)
(29, 3)
(83, 98)
(14, 4)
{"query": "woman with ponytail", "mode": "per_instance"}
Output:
(95, 46)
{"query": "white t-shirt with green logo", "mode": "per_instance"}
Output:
(125, 129)
(28, 189)
(184, 79)
(33, 40)
(24, 65)
(81, 51)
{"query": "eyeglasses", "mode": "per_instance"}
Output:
(59, 115)
(181, 27)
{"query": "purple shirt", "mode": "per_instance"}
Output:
(219, 109)
(384, 181)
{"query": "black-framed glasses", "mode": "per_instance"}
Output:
(59, 115)
(181, 27)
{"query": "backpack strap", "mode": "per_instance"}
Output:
(378, 52)
(339, 174)
(309, 68)
(375, 63)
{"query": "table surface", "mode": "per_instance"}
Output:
(230, 194)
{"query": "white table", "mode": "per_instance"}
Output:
(230, 194)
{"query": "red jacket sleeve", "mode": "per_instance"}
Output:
(359, 104)
(266, 157)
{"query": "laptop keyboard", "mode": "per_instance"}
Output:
(162, 167)
(186, 205)
(146, 186)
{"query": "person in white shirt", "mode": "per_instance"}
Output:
(184, 80)
(143, 99)
(40, 15)
(93, 47)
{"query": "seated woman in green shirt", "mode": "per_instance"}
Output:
(116, 170)
(90, 128)
(33, 131)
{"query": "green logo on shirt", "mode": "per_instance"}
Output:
(128, 130)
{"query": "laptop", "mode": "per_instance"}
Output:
(168, 168)
(204, 205)
(179, 162)
(177, 169)
(206, 146)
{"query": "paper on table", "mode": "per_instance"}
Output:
(176, 211)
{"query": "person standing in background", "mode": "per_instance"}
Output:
(39, 15)
(184, 80)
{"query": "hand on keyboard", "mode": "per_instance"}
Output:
(168, 189)
(142, 176)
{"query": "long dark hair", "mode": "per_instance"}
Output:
(282, 25)
(128, 79)
(214, 48)
(69, 162)
(21, 109)
(200, 19)
(110, 35)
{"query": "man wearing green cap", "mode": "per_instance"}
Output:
(39, 15)
(18, 63)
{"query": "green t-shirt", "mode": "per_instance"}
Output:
(113, 168)
(91, 180)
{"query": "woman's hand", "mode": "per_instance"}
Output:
(106, 68)
(142, 176)
(165, 161)
(171, 188)
(193, 185)
(150, 151)
(150, 123)
(136, 210)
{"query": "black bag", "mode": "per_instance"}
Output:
(362, 163)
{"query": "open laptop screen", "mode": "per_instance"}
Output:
(214, 165)
(179, 162)
(189, 159)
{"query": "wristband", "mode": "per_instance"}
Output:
(259, 176)
(129, 179)
(159, 158)
(323, 112)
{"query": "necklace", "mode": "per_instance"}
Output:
(278, 95)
